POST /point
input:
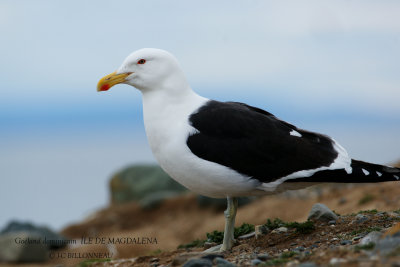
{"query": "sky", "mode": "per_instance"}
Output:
(325, 66)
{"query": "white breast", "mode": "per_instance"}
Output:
(167, 129)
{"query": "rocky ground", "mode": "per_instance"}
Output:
(342, 242)
(365, 212)
(180, 221)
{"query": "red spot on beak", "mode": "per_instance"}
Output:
(105, 87)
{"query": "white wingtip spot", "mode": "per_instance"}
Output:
(365, 171)
(379, 174)
(397, 177)
(295, 133)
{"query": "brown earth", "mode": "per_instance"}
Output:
(180, 220)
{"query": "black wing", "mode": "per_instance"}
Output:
(254, 142)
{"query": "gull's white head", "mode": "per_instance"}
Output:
(147, 69)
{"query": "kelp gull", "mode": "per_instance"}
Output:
(230, 149)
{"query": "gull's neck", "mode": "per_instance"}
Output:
(173, 102)
(166, 117)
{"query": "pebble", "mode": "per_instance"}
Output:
(209, 245)
(154, 260)
(198, 263)
(263, 257)
(320, 212)
(261, 230)
(360, 218)
(184, 257)
(213, 249)
(211, 256)
(280, 230)
(223, 263)
(294, 263)
(255, 262)
(300, 248)
(345, 242)
(246, 236)
(308, 264)
(337, 261)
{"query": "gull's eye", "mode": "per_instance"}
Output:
(141, 61)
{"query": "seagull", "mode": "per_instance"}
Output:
(230, 149)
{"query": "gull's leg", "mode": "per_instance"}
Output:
(230, 214)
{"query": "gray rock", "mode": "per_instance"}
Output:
(255, 262)
(184, 257)
(213, 249)
(137, 182)
(360, 218)
(208, 245)
(308, 264)
(337, 261)
(320, 212)
(22, 247)
(198, 263)
(223, 263)
(387, 245)
(154, 260)
(346, 242)
(246, 236)
(154, 200)
(260, 230)
(280, 230)
(53, 240)
(372, 237)
(212, 256)
(263, 257)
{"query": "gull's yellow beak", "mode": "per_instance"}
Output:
(110, 80)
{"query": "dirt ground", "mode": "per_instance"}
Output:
(180, 220)
(146, 234)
